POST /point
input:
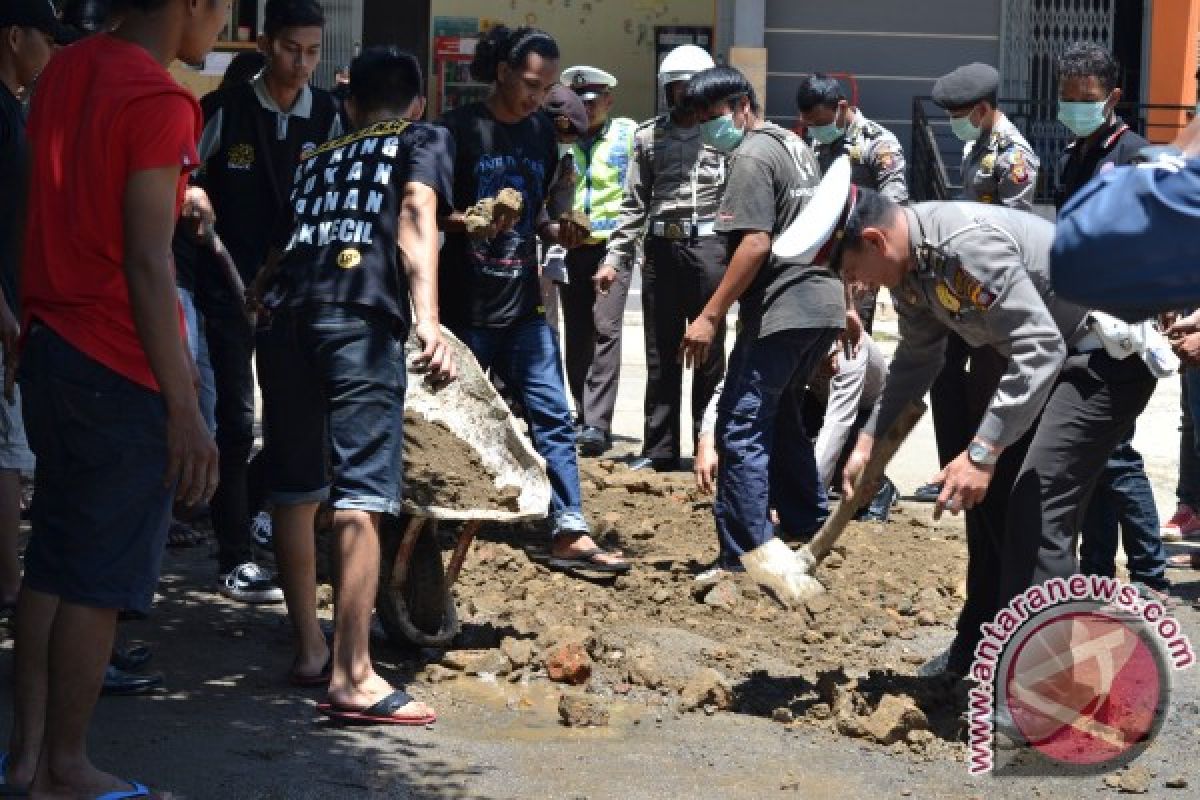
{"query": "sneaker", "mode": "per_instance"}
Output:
(928, 493)
(250, 583)
(261, 531)
(1185, 524)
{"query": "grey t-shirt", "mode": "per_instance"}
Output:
(772, 176)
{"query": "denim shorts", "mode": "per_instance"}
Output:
(100, 508)
(333, 381)
(14, 446)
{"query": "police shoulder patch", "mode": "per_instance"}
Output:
(969, 288)
(1018, 171)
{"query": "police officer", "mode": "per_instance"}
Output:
(838, 128)
(593, 320)
(1000, 168)
(672, 191)
(1044, 422)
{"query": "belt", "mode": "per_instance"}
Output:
(682, 229)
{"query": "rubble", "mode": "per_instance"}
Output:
(582, 711)
(568, 663)
(706, 688)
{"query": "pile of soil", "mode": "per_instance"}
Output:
(847, 661)
(440, 469)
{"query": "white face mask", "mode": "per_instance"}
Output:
(564, 149)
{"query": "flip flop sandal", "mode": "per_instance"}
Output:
(322, 678)
(587, 562)
(382, 713)
(135, 790)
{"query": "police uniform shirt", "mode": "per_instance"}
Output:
(983, 273)
(346, 200)
(1001, 170)
(876, 157)
(772, 176)
(1116, 145)
(672, 176)
(494, 283)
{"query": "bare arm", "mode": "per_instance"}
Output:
(418, 241)
(149, 213)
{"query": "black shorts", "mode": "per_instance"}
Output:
(100, 508)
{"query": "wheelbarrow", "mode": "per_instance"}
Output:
(414, 602)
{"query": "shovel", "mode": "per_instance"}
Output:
(885, 448)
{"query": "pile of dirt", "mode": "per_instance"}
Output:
(847, 661)
(440, 469)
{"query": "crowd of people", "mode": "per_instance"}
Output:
(277, 232)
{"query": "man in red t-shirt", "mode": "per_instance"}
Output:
(107, 383)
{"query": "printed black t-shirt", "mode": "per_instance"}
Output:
(492, 284)
(345, 203)
(14, 167)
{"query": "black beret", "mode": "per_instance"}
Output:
(966, 86)
(567, 110)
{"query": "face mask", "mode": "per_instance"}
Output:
(1082, 119)
(721, 134)
(826, 134)
(565, 150)
(964, 129)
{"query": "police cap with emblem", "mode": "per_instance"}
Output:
(815, 237)
(566, 110)
(966, 86)
(588, 82)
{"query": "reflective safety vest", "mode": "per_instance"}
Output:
(601, 181)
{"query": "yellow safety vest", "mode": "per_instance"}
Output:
(601, 182)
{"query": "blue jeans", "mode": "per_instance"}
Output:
(766, 457)
(333, 381)
(525, 356)
(1123, 495)
(198, 345)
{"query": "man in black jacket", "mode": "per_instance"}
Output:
(1088, 94)
(253, 137)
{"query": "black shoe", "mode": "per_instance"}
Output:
(881, 504)
(927, 493)
(131, 659)
(593, 442)
(656, 464)
(119, 682)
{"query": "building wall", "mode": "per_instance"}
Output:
(894, 50)
(614, 35)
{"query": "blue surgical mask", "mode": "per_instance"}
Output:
(826, 134)
(1082, 119)
(964, 129)
(721, 134)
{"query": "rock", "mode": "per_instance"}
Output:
(871, 639)
(724, 595)
(555, 635)
(893, 718)
(568, 663)
(818, 605)
(461, 659)
(660, 596)
(926, 618)
(813, 637)
(783, 714)
(519, 651)
(436, 673)
(1177, 783)
(1135, 780)
(706, 687)
(820, 711)
(489, 662)
(644, 670)
(919, 737)
(834, 561)
(582, 711)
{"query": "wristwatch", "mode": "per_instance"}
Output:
(981, 455)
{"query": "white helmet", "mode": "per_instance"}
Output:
(682, 63)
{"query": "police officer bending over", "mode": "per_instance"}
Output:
(983, 272)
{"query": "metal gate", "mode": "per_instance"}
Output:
(342, 38)
(1033, 34)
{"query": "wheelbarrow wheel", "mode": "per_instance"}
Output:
(419, 610)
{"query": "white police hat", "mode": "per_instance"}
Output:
(811, 237)
(588, 82)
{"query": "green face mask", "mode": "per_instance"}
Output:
(721, 134)
(826, 134)
(964, 129)
(1082, 119)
